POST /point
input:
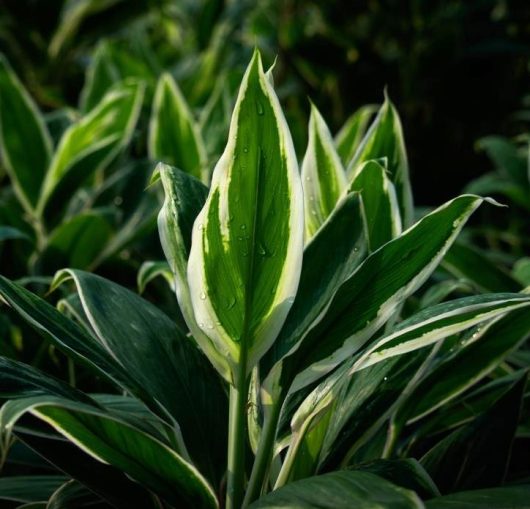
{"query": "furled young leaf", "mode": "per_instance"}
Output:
(94, 141)
(340, 490)
(473, 362)
(112, 441)
(351, 133)
(31, 488)
(381, 211)
(385, 139)
(506, 497)
(247, 245)
(174, 137)
(25, 144)
(145, 341)
(323, 177)
(476, 455)
(184, 198)
(380, 284)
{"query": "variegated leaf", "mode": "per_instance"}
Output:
(385, 139)
(351, 133)
(94, 141)
(25, 143)
(381, 210)
(323, 176)
(247, 245)
(174, 137)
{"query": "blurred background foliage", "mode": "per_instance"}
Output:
(458, 72)
(456, 69)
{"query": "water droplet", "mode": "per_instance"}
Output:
(231, 303)
(203, 296)
(308, 178)
(200, 226)
(243, 226)
(314, 212)
(385, 378)
(118, 201)
(210, 326)
(355, 249)
(260, 108)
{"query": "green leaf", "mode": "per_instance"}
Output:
(323, 176)
(506, 158)
(109, 483)
(73, 340)
(91, 143)
(438, 322)
(18, 380)
(110, 440)
(100, 76)
(352, 132)
(381, 211)
(145, 341)
(247, 246)
(73, 495)
(140, 223)
(464, 261)
(10, 233)
(25, 144)
(184, 198)
(407, 473)
(384, 139)
(476, 455)
(340, 490)
(151, 270)
(174, 137)
(76, 243)
(366, 301)
(32, 488)
(323, 271)
(507, 497)
(471, 363)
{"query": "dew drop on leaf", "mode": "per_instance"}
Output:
(260, 108)
(203, 296)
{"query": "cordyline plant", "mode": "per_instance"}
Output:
(292, 285)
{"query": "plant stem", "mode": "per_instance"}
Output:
(264, 452)
(237, 435)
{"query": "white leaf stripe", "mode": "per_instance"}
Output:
(439, 326)
(323, 177)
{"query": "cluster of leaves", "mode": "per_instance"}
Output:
(317, 361)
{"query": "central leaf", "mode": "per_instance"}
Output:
(247, 242)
